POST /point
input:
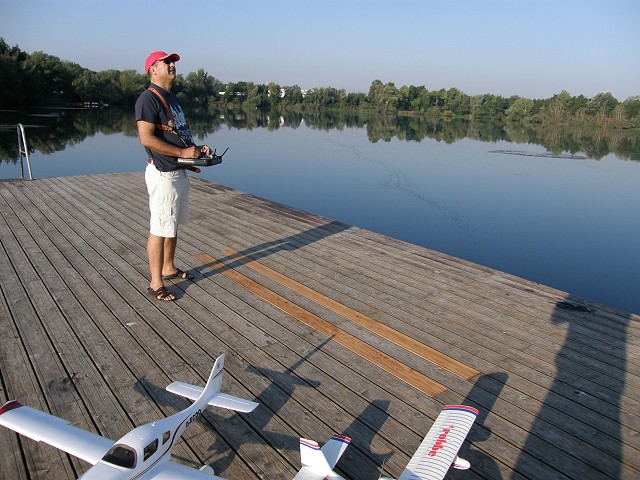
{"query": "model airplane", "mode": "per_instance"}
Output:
(431, 461)
(145, 452)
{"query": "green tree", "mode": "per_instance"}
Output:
(419, 98)
(404, 98)
(475, 106)
(575, 104)
(520, 110)
(558, 107)
(85, 85)
(293, 95)
(602, 105)
(253, 98)
(36, 85)
(457, 102)
(274, 96)
(200, 89)
(631, 114)
(354, 100)
(235, 94)
(12, 91)
(108, 87)
(383, 98)
(131, 84)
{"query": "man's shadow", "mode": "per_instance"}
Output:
(289, 244)
(359, 460)
(588, 386)
(486, 390)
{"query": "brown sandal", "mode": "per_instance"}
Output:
(161, 294)
(179, 274)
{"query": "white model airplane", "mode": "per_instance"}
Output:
(142, 454)
(431, 461)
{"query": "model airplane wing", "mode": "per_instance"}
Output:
(318, 463)
(55, 431)
(440, 447)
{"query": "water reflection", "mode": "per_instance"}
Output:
(52, 131)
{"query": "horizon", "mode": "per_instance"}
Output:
(530, 49)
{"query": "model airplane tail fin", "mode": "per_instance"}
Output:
(311, 456)
(439, 449)
(334, 448)
(210, 394)
(318, 463)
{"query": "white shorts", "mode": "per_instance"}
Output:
(168, 200)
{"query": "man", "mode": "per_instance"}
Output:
(165, 136)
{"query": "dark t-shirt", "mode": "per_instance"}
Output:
(150, 109)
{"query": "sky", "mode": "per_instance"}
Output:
(529, 48)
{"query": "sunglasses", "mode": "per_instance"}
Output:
(167, 61)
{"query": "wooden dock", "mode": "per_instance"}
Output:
(332, 328)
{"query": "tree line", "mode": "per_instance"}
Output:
(39, 79)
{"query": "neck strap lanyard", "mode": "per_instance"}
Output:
(172, 123)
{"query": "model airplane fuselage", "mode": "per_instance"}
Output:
(142, 454)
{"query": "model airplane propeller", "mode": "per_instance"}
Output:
(145, 452)
(431, 461)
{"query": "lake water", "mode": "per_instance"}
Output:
(566, 221)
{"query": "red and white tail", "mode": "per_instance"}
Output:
(318, 463)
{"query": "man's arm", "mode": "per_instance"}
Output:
(149, 140)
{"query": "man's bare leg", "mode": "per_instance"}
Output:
(156, 254)
(169, 248)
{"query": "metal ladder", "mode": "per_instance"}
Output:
(23, 151)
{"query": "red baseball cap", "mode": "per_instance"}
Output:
(159, 55)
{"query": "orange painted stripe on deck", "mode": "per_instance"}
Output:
(404, 341)
(357, 346)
